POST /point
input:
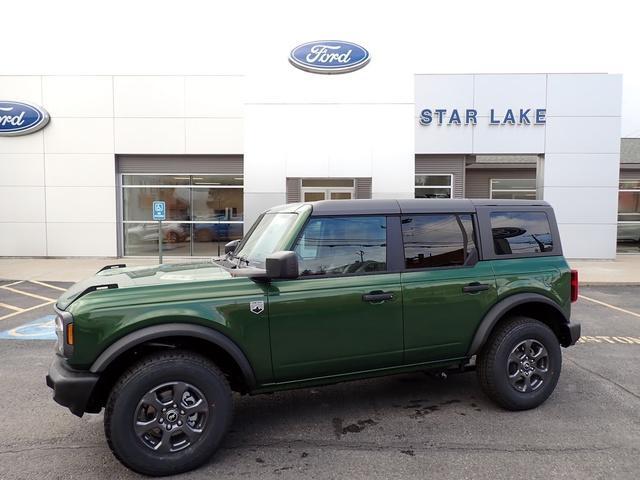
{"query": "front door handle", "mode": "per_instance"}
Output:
(475, 287)
(377, 296)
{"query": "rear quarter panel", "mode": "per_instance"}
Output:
(546, 275)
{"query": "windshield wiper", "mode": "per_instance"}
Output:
(241, 259)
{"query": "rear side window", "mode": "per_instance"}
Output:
(343, 246)
(442, 240)
(521, 232)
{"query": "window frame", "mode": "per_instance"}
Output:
(476, 242)
(450, 186)
(491, 189)
(486, 235)
(627, 190)
(391, 245)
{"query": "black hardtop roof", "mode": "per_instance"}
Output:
(417, 205)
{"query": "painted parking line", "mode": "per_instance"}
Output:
(608, 339)
(48, 285)
(40, 329)
(12, 307)
(608, 305)
(27, 310)
(33, 295)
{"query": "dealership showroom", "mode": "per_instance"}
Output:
(221, 149)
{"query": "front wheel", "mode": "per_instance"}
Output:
(520, 365)
(168, 413)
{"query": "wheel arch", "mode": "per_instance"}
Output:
(532, 305)
(222, 350)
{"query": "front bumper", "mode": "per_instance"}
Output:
(71, 389)
(574, 333)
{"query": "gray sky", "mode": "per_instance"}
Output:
(206, 37)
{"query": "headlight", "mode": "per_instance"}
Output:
(59, 335)
(64, 333)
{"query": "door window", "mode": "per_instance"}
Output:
(438, 240)
(343, 246)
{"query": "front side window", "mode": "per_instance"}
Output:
(437, 240)
(521, 232)
(513, 188)
(343, 246)
(434, 186)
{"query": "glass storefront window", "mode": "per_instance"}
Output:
(513, 188)
(629, 216)
(204, 212)
(434, 186)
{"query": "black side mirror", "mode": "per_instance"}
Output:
(231, 246)
(282, 264)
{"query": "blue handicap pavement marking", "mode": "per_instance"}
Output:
(41, 329)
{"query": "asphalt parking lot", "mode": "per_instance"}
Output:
(405, 426)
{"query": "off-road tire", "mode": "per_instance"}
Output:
(493, 360)
(158, 369)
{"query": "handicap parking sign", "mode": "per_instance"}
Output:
(159, 211)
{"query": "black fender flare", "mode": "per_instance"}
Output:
(503, 306)
(176, 330)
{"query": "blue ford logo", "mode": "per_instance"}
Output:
(17, 118)
(329, 56)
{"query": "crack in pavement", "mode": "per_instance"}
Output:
(607, 379)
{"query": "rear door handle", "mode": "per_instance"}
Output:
(474, 287)
(377, 296)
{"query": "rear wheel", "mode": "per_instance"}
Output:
(520, 365)
(168, 413)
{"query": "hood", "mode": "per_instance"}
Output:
(144, 276)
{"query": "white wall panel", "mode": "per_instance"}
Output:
(220, 96)
(590, 205)
(214, 135)
(513, 139)
(576, 95)
(22, 169)
(26, 240)
(81, 239)
(78, 96)
(26, 88)
(150, 135)
(81, 204)
(588, 240)
(80, 169)
(509, 91)
(79, 135)
(583, 135)
(443, 138)
(22, 204)
(443, 91)
(32, 143)
(149, 96)
(583, 170)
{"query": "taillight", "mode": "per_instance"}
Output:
(574, 285)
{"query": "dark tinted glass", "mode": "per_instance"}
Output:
(437, 240)
(343, 246)
(521, 232)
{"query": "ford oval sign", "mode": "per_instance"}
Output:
(17, 118)
(329, 56)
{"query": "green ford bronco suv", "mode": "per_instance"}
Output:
(316, 293)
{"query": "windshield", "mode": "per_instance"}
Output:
(266, 237)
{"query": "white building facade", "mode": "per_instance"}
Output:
(221, 149)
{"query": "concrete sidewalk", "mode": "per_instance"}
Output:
(624, 270)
